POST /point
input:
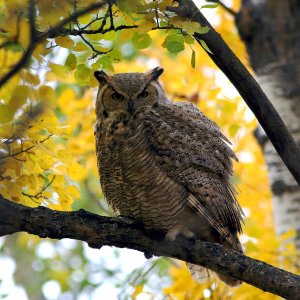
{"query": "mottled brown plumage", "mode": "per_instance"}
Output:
(165, 164)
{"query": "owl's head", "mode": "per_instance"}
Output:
(127, 92)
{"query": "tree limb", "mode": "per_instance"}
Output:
(98, 231)
(248, 88)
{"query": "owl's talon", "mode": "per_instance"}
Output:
(126, 220)
(190, 241)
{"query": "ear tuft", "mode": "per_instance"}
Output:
(101, 76)
(154, 73)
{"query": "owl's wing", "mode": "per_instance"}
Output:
(190, 148)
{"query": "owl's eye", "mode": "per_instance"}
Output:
(116, 96)
(143, 94)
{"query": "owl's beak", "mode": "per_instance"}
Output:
(131, 107)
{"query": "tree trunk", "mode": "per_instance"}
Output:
(270, 30)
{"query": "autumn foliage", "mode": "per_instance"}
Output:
(47, 150)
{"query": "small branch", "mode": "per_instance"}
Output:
(40, 193)
(228, 9)
(77, 32)
(248, 88)
(15, 154)
(96, 52)
(98, 231)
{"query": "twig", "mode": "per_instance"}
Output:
(97, 52)
(40, 193)
(228, 9)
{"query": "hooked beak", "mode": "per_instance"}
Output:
(130, 107)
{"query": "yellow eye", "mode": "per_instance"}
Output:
(143, 94)
(116, 96)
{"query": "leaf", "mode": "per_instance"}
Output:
(57, 69)
(137, 290)
(188, 39)
(174, 43)
(6, 114)
(79, 47)
(46, 94)
(131, 6)
(14, 47)
(141, 41)
(32, 79)
(203, 30)
(104, 62)
(71, 62)
(233, 129)
(193, 59)
(205, 47)
(64, 41)
(210, 6)
(82, 74)
(19, 97)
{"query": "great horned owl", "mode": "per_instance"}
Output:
(165, 164)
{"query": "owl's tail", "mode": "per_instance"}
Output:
(201, 274)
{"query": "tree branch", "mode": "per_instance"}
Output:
(248, 88)
(98, 231)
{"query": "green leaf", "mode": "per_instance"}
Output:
(164, 24)
(189, 39)
(14, 47)
(115, 54)
(205, 47)
(82, 74)
(141, 41)
(71, 62)
(193, 59)
(174, 43)
(203, 30)
(209, 6)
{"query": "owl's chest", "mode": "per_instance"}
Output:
(134, 184)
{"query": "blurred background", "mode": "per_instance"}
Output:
(49, 104)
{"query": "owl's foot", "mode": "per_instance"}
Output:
(127, 220)
(191, 240)
(183, 236)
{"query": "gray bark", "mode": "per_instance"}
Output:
(270, 30)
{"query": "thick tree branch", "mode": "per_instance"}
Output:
(98, 231)
(248, 88)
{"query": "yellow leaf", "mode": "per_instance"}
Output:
(46, 94)
(138, 289)
(79, 47)
(18, 97)
(32, 79)
(64, 41)
(58, 70)
(72, 191)
(6, 114)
